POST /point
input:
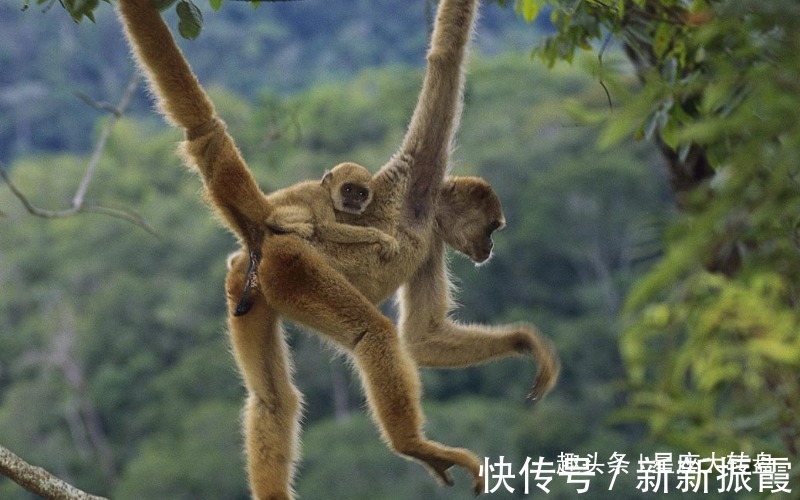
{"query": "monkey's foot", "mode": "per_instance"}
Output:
(439, 459)
(547, 371)
(531, 342)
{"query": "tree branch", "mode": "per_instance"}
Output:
(78, 201)
(37, 480)
(97, 154)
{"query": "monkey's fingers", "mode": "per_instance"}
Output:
(440, 462)
(446, 478)
(548, 369)
(442, 475)
(247, 298)
(245, 304)
(438, 466)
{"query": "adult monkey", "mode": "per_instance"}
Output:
(331, 288)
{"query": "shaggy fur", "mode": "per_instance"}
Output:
(332, 287)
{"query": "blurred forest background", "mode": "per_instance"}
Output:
(674, 308)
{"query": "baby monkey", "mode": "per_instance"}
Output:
(308, 209)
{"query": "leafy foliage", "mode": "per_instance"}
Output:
(285, 47)
(190, 19)
(713, 343)
(190, 16)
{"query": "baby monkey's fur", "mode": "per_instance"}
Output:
(308, 209)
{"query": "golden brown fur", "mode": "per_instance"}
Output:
(309, 208)
(468, 213)
(332, 287)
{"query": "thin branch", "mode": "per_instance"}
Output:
(30, 207)
(600, 60)
(99, 105)
(37, 480)
(79, 203)
(121, 213)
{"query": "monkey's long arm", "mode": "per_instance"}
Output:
(429, 139)
(230, 187)
(435, 340)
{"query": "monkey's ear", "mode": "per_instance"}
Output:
(327, 177)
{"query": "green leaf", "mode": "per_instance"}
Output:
(215, 4)
(529, 9)
(663, 38)
(191, 20)
(79, 8)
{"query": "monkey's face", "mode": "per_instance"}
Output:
(349, 186)
(477, 241)
(473, 235)
(352, 198)
(468, 215)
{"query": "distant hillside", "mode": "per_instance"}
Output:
(45, 58)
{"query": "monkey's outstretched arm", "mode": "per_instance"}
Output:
(435, 340)
(230, 186)
(429, 139)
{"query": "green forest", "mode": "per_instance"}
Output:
(647, 154)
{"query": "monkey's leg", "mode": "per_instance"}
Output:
(436, 341)
(300, 284)
(447, 344)
(271, 414)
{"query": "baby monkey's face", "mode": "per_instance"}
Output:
(349, 186)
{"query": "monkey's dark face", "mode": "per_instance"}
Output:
(354, 197)
(468, 215)
(480, 245)
(349, 187)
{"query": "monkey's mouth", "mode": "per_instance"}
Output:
(353, 208)
(480, 255)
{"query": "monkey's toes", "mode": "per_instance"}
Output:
(440, 469)
(546, 377)
(478, 485)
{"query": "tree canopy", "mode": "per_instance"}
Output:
(713, 342)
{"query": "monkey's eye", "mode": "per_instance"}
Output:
(347, 188)
(494, 226)
(362, 193)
